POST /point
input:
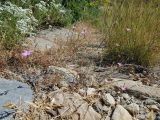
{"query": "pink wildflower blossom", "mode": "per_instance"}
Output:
(124, 87)
(26, 53)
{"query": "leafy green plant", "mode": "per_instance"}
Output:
(15, 23)
(77, 7)
(9, 34)
(131, 31)
(51, 13)
(20, 18)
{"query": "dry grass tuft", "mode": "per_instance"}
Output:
(132, 32)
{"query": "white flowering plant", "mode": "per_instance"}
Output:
(9, 34)
(15, 23)
(19, 18)
(52, 13)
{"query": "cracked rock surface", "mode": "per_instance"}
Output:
(13, 94)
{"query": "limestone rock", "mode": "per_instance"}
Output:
(82, 91)
(137, 88)
(57, 98)
(125, 96)
(154, 108)
(63, 83)
(133, 108)
(79, 109)
(150, 101)
(88, 113)
(107, 118)
(108, 99)
(11, 93)
(98, 106)
(120, 113)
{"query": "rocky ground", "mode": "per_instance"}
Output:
(83, 89)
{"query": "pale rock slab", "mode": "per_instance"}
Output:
(109, 100)
(133, 108)
(120, 113)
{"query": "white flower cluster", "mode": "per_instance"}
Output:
(58, 7)
(43, 6)
(25, 19)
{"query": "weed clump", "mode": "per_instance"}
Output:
(131, 31)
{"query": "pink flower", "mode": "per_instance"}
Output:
(124, 87)
(26, 53)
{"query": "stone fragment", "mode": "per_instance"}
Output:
(106, 109)
(107, 118)
(154, 108)
(98, 107)
(120, 113)
(91, 91)
(150, 101)
(57, 98)
(76, 107)
(108, 99)
(88, 113)
(133, 108)
(82, 91)
(125, 96)
(63, 83)
(137, 88)
(12, 93)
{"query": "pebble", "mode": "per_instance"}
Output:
(150, 101)
(107, 118)
(57, 98)
(82, 91)
(133, 108)
(63, 84)
(154, 108)
(98, 106)
(91, 91)
(105, 109)
(125, 96)
(108, 99)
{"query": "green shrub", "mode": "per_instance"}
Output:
(19, 18)
(52, 13)
(15, 22)
(9, 34)
(131, 31)
(78, 8)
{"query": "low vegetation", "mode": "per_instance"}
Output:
(130, 28)
(21, 18)
(131, 31)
